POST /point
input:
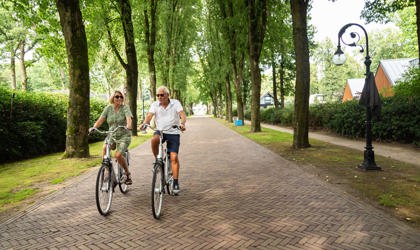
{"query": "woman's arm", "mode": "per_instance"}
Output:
(99, 122)
(129, 122)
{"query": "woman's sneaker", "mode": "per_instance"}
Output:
(129, 181)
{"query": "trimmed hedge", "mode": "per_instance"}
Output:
(399, 121)
(33, 124)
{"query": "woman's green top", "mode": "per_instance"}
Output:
(122, 137)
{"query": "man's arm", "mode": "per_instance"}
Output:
(148, 118)
(183, 119)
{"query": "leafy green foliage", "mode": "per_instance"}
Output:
(380, 10)
(409, 87)
(34, 124)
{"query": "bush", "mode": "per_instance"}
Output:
(278, 116)
(399, 121)
(33, 124)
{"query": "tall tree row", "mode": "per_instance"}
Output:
(234, 32)
(221, 55)
(178, 20)
(278, 51)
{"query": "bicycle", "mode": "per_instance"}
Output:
(162, 175)
(108, 177)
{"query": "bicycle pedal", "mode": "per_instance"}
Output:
(104, 188)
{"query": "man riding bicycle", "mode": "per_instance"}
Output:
(167, 112)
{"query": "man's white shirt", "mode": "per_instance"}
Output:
(165, 118)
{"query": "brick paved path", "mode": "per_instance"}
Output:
(235, 195)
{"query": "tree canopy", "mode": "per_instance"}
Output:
(220, 53)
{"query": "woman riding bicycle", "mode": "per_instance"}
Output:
(117, 114)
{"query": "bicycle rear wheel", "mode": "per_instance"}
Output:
(157, 190)
(104, 190)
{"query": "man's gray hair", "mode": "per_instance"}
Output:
(164, 88)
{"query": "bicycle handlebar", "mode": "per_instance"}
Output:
(109, 131)
(163, 130)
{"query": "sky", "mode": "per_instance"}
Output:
(328, 17)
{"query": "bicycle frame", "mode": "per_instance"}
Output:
(161, 176)
(163, 158)
(108, 177)
(107, 157)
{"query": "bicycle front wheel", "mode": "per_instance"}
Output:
(104, 190)
(123, 186)
(157, 190)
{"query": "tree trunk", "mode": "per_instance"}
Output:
(62, 77)
(245, 93)
(418, 26)
(300, 38)
(282, 73)
(220, 104)
(237, 72)
(77, 57)
(131, 68)
(228, 99)
(257, 18)
(23, 66)
(150, 35)
(214, 101)
(273, 67)
(13, 68)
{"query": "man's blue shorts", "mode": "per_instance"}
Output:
(172, 142)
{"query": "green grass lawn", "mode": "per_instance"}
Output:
(20, 181)
(396, 189)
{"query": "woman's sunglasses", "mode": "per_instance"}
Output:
(118, 97)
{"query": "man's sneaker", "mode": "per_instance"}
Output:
(176, 189)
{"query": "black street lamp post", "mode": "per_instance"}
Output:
(339, 59)
(145, 93)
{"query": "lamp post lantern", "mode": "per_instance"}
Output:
(369, 97)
